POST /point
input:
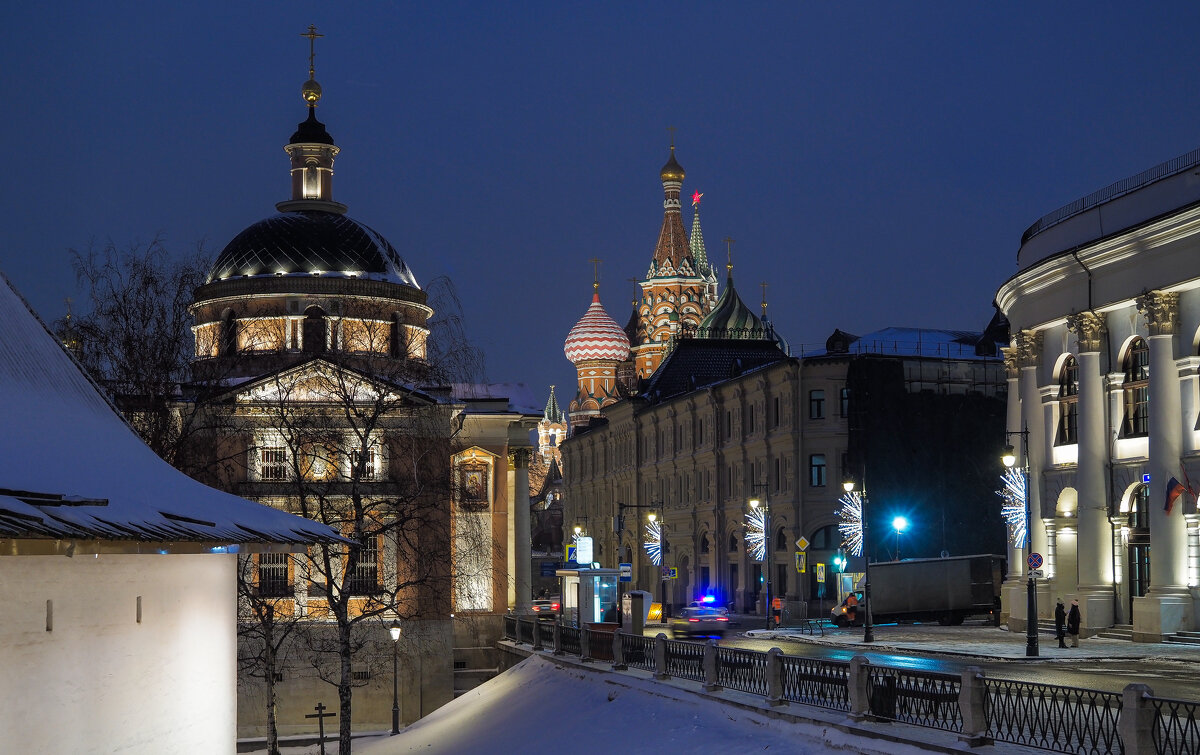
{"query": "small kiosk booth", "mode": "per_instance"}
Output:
(589, 596)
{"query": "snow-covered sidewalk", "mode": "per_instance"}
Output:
(982, 641)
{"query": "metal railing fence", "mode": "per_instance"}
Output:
(1176, 726)
(816, 682)
(922, 698)
(1049, 717)
(685, 660)
(742, 669)
(638, 651)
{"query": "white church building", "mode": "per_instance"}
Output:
(117, 572)
(1104, 398)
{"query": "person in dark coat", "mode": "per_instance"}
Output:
(1073, 623)
(1060, 623)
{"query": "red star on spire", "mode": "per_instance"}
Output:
(696, 198)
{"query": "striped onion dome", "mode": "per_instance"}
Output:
(596, 336)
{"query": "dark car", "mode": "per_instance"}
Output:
(700, 621)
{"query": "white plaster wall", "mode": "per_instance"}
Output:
(100, 682)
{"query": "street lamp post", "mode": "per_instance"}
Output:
(663, 549)
(394, 630)
(619, 526)
(766, 504)
(899, 524)
(1010, 458)
(868, 625)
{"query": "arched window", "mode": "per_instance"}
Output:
(1139, 543)
(733, 542)
(316, 331)
(1068, 403)
(1137, 390)
(827, 538)
(781, 542)
(704, 543)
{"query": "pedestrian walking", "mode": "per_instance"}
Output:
(1073, 623)
(1060, 623)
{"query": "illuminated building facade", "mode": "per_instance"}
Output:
(1104, 376)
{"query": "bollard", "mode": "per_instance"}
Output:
(712, 668)
(585, 644)
(971, 704)
(1135, 724)
(660, 657)
(618, 651)
(858, 685)
(557, 638)
(775, 677)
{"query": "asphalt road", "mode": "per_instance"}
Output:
(1167, 678)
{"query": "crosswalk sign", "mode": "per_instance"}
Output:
(820, 573)
(801, 562)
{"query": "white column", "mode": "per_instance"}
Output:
(1167, 606)
(1029, 345)
(1094, 538)
(1012, 594)
(519, 458)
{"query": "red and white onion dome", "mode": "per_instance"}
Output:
(596, 336)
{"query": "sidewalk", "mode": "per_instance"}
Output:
(975, 640)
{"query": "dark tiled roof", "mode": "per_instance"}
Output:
(298, 243)
(697, 362)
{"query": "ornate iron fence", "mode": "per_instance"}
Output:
(638, 652)
(1049, 717)
(510, 627)
(742, 669)
(685, 660)
(570, 640)
(816, 682)
(1176, 729)
(923, 698)
(545, 630)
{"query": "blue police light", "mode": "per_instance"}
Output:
(708, 599)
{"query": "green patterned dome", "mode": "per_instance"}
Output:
(731, 318)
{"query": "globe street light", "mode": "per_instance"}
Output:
(899, 524)
(394, 630)
(868, 627)
(1010, 458)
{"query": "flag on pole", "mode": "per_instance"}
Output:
(1174, 490)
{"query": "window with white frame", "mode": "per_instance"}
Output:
(272, 463)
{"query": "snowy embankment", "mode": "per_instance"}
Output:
(540, 705)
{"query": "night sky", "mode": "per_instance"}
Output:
(876, 162)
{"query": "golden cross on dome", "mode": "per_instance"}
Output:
(596, 272)
(764, 301)
(636, 290)
(312, 35)
(671, 130)
(728, 253)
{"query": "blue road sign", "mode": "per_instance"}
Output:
(1035, 561)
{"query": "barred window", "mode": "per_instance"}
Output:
(1068, 403)
(365, 579)
(272, 463)
(273, 579)
(368, 471)
(1136, 389)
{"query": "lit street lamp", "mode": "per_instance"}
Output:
(899, 524)
(662, 545)
(868, 627)
(394, 630)
(1010, 458)
(766, 545)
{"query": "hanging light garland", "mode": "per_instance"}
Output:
(756, 534)
(653, 544)
(850, 512)
(1013, 506)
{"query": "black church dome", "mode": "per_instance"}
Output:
(311, 243)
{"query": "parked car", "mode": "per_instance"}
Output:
(700, 621)
(546, 609)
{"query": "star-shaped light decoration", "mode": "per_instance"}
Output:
(1013, 506)
(850, 512)
(653, 544)
(696, 198)
(756, 534)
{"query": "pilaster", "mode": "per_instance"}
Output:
(522, 548)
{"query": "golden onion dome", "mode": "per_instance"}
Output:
(672, 171)
(311, 91)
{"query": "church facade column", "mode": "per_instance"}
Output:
(1094, 538)
(523, 555)
(1029, 346)
(1166, 608)
(1012, 592)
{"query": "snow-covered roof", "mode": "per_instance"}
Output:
(73, 469)
(909, 342)
(518, 397)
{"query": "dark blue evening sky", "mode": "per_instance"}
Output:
(876, 162)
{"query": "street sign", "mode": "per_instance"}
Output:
(801, 562)
(571, 553)
(550, 567)
(820, 573)
(1035, 561)
(1038, 573)
(802, 543)
(583, 550)
(673, 573)
(626, 572)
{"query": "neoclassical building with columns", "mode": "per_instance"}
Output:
(1104, 398)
